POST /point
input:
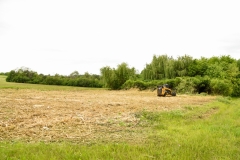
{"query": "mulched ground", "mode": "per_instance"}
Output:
(80, 116)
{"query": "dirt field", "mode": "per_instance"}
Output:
(82, 116)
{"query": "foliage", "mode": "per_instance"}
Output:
(135, 84)
(115, 78)
(25, 75)
(13, 85)
(215, 75)
(222, 67)
(201, 84)
(4, 73)
(142, 85)
(165, 67)
(198, 67)
(221, 87)
(185, 85)
(236, 87)
(191, 85)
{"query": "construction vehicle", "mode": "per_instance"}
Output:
(164, 90)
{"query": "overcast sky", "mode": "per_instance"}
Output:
(62, 36)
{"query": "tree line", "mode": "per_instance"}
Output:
(166, 67)
(25, 75)
(215, 75)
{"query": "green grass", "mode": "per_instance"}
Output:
(204, 132)
(12, 85)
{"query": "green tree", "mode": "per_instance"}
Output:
(215, 71)
(198, 67)
(182, 65)
(115, 78)
(161, 67)
(107, 74)
(222, 67)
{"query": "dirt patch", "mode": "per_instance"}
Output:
(86, 115)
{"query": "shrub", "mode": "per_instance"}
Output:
(236, 87)
(201, 84)
(185, 85)
(221, 87)
(135, 84)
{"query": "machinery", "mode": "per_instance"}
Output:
(164, 90)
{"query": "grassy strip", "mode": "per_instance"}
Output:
(210, 132)
(72, 151)
(206, 132)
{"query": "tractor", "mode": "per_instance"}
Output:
(164, 90)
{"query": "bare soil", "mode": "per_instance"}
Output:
(80, 116)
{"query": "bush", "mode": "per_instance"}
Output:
(236, 87)
(134, 84)
(185, 85)
(140, 85)
(201, 84)
(128, 84)
(221, 87)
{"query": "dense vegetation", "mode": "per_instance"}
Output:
(215, 75)
(25, 75)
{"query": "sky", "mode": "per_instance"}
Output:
(62, 36)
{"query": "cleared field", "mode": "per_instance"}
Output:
(81, 115)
